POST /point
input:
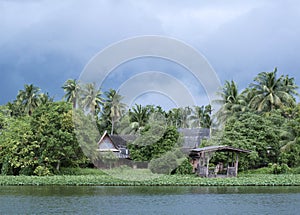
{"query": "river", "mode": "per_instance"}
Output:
(148, 200)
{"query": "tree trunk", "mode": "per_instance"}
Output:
(112, 127)
(58, 165)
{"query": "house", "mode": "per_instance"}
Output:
(115, 144)
(201, 157)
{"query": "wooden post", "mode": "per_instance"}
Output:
(227, 171)
(236, 164)
(207, 164)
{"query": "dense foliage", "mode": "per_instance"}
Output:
(144, 149)
(40, 143)
(39, 136)
(264, 118)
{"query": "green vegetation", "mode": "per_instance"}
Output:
(138, 179)
(41, 143)
(264, 118)
(40, 136)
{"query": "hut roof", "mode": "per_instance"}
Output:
(219, 148)
(193, 136)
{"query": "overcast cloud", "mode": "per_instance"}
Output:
(48, 42)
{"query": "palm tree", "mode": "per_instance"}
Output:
(184, 117)
(272, 92)
(29, 98)
(201, 117)
(72, 89)
(91, 98)
(174, 117)
(230, 100)
(116, 107)
(45, 98)
(290, 86)
(139, 116)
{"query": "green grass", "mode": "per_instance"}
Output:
(143, 177)
(80, 171)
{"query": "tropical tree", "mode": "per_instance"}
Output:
(230, 100)
(53, 130)
(91, 98)
(290, 138)
(18, 154)
(150, 146)
(29, 98)
(173, 117)
(261, 135)
(45, 98)
(272, 92)
(201, 116)
(139, 116)
(114, 107)
(289, 85)
(72, 89)
(184, 117)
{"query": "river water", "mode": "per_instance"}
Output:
(149, 200)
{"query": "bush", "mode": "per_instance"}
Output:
(42, 171)
(185, 168)
(164, 164)
(296, 170)
(26, 171)
(280, 168)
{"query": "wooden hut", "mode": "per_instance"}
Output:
(201, 157)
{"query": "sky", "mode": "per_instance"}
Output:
(46, 42)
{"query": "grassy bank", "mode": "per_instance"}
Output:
(144, 178)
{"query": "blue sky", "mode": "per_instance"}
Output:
(47, 42)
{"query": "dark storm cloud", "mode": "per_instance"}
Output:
(47, 42)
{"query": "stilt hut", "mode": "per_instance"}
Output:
(201, 157)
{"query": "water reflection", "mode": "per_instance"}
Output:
(149, 200)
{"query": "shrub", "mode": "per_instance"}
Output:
(296, 170)
(185, 168)
(42, 171)
(164, 164)
(280, 168)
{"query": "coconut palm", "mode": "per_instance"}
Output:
(290, 86)
(28, 98)
(139, 116)
(174, 117)
(72, 89)
(45, 98)
(230, 100)
(91, 98)
(184, 117)
(272, 92)
(115, 106)
(201, 117)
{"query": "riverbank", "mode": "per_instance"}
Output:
(165, 180)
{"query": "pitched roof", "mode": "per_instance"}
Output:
(122, 140)
(108, 136)
(193, 136)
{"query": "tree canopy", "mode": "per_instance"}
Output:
(39, 135)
